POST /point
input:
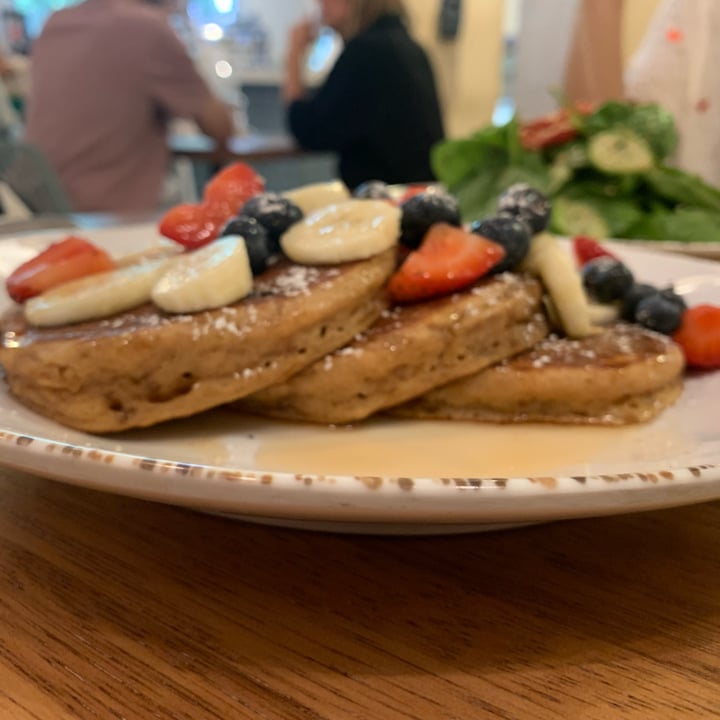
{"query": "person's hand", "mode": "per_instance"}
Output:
(302, 35)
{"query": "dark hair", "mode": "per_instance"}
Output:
(366, 12)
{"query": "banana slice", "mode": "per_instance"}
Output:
(316, 196)
(548, 259)
(604, 314)
(96, 296)
(215, 275)
(351, 230)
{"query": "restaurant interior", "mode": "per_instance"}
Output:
(356, 388)
(512, 61)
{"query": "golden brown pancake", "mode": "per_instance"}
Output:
(408, 351)
(624, 375)
(144, 366)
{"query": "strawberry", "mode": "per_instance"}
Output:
(587, 248)
(449, 259)
(699, 336)
(194, 225)
(66, 260)
(233, 185)
(412, 191)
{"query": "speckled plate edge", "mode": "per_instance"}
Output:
(359, 499)
(360, 503)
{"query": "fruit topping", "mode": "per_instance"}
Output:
(216, 275)
(511, 233)
(587, 248)
(274, 212)
(606, 279)
(318, 195)
(259, 246)
(528, 204)
(448, 259)
(658, 312)
(96, 296)
(631, 299)
(233, 186)
(372, 190)
(550, 261)
(194, 225)
(422, 211)
(66, 260)
(350, 230)
(699, 336)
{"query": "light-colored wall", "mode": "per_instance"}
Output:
(545, 32)
(468, 69)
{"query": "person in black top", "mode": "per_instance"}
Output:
(378, 108)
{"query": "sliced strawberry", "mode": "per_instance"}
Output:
(194, 225)
(587, 248)
(699, 336)
(66, 260)
(233, 185)
(412, 191)
(449, 259)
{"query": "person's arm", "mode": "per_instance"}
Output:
(175, 84)
(215, 120)
(300, 38)
(595, 63)
(343, 107)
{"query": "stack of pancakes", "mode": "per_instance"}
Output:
(322, 344)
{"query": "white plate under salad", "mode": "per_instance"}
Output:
(390, 476)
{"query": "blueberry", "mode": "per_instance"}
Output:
(527, 203)
(259, 245)
(606, 279)
(372, 190)
(274, 212)
(638, 292)
(511, 233)
(421, 211)
(672, 296)
(659, 313)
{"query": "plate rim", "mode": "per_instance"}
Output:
(679, 485)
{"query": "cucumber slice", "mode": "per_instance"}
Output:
(573, 217)
(620, 152)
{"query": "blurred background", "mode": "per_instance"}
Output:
(507, 56)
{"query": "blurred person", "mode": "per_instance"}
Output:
(378, 108)
(674, 66)
(107, 77)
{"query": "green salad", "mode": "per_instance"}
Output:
(607, 173)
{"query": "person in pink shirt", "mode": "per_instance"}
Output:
(107, 75)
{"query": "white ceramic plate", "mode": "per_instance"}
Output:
(392, 476)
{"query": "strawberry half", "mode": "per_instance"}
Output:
(587, 249)
(233, 185)
(449, 259)
(66, 260)
(699, 336)
(194, 225)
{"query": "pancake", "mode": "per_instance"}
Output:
(143, 367)
(409, 350)
(624, 375)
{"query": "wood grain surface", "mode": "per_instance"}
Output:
(117, 608)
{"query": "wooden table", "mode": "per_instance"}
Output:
(117, 608)
(254, 147)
